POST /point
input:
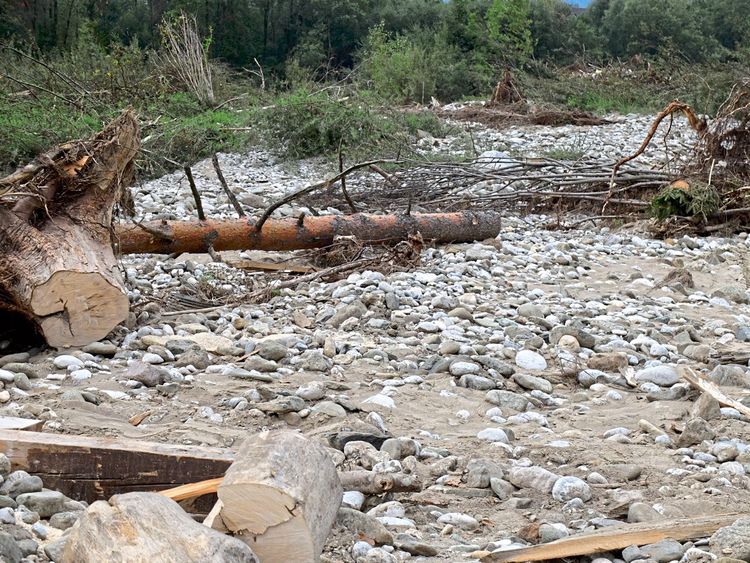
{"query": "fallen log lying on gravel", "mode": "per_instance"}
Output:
(148, 527)
(58, 273)
(167, 237)
(57, 268)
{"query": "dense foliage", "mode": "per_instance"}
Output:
(325, 34)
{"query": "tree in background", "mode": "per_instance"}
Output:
(509, 27)
(654, 27)
(559, 34)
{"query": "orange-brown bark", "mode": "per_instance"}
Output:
(166, 237)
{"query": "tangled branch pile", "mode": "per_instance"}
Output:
(531, 185)
(711, 192)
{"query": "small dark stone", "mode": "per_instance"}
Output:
(90, 397)
(64, 520)
(413, 546)
(21, 380)
(356, 522)
(147, 374)
(20, 482)
(696, 430)
(9, 550)
(179, 346)
(6, 501)
(480, 472)
(54, 550)
(340, 439)
(46, 503)
(28, 547)
(196, 357)
(20, 358)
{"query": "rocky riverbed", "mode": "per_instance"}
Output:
(531, 380)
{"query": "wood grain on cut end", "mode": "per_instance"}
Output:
(281, 496)
(76, 308)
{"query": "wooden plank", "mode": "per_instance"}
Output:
(15, 423)
(710, 388)
(617, 537)
(87, 468)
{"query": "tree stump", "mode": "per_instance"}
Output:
(281, 496)
(57, 267)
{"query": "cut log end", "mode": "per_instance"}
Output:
(76, 308)
(242, 514)
(292, 538)
(57, 267)
(283, 507)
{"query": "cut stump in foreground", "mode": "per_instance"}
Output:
(57, 267)
(281, 496)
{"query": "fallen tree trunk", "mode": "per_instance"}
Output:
(281, 496)
(57, 268)
(167, 237)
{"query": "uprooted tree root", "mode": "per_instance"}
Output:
(713, 192)
(506, 92)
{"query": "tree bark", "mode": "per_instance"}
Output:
(57, 267)
(167, 237)
(281, 496)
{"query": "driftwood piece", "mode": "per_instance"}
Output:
(616, 537)
(224, 186)
(710, 388)
(97, 468)
(57, 268)
(313, 232)
(192, 490)
(148, 527)
(281, 496)
(263, 266)
(371, 483)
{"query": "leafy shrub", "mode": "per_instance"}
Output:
(417, 66)
(309, 124)
(697, 201)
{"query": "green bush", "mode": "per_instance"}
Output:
(416, 67)
(700, 201)
(309, 124)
